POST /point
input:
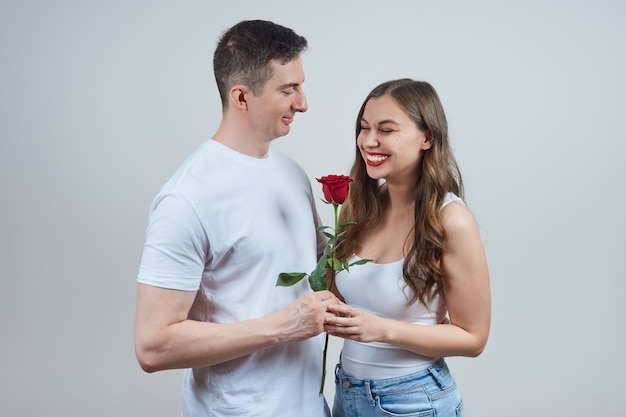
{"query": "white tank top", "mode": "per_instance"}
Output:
(380, 289)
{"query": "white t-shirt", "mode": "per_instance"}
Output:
(226, 225)
(380, 289)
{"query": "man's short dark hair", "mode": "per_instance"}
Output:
(245, 51)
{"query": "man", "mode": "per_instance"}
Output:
(232, 217)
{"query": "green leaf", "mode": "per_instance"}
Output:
(336, 264)
(287, 279)
(346, 265)
(344, 224)
(324, 228)
(361, 262)
(317, 282)
(317, 279)
(329, 235)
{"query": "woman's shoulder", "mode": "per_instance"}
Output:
(455, 216)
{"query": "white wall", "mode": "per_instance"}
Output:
(100, 101)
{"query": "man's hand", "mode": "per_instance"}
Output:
(307, 314)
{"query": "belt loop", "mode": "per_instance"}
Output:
(371, 396)
(337, 373)
(437, 376)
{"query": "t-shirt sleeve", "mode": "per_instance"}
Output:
(176, 246)
(322, 240)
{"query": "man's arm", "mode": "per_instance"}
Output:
(166, 339)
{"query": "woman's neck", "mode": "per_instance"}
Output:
(399, 198)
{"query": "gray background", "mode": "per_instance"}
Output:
(101, 101)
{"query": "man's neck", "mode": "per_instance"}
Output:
(242, 142)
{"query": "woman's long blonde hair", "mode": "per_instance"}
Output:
(438, 175)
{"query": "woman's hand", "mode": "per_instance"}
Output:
(355, 324)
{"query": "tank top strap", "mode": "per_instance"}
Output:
(450, 197)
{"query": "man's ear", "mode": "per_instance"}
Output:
(239, 97)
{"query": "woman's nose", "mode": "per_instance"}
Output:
(369, 139)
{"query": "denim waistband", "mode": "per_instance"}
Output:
(438, 373)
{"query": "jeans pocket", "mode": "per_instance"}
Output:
(406, 404)
(448, 403)
(459, 410)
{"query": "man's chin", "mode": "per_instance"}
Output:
(283, 132)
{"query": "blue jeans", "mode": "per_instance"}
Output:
(431, 392)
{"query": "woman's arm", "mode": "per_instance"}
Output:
(467, 294)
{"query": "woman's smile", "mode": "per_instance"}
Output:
(375, 159)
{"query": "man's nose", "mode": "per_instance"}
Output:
(300, 103)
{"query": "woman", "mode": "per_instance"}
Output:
(426, 293)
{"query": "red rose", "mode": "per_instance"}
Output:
(335, 187)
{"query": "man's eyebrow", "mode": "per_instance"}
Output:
(290, 85)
